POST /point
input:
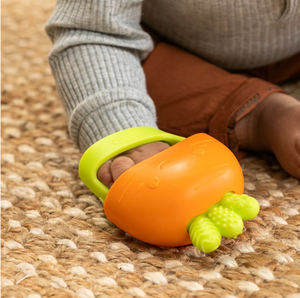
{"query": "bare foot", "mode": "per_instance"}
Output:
(274, 126)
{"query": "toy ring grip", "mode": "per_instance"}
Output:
(113, 145)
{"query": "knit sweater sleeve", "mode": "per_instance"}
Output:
(96, 58)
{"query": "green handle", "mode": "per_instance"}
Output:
(113, 145)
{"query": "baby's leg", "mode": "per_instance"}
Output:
(274, 126)
(192, 96)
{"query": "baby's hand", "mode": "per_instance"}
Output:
(113, 168)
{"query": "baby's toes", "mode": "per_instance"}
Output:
(297, 148)
(297, 145)
(296, 171)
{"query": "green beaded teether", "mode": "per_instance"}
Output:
(222, 219)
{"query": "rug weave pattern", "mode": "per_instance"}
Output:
(56, 241)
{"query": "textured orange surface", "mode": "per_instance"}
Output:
(155, 200)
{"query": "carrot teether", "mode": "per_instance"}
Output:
(188, 193)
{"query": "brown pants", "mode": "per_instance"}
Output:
(192, 95)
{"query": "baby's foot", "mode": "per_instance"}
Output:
(274, 126)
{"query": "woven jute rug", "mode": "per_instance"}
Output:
(56, 241)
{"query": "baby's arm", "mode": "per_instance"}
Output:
(95, 60)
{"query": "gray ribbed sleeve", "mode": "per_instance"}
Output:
(99, 44)
(96, 63)
(232, 34)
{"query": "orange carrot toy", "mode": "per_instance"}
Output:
(188, 193)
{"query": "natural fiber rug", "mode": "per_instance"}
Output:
(56, 241)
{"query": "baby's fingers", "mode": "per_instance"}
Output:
(104, 174)
(120, 165)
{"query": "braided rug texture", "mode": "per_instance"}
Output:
(56, 241)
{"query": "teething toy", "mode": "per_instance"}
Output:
(188, 193)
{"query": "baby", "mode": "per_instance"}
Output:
(188, 77)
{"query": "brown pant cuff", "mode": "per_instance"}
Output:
(242, 101)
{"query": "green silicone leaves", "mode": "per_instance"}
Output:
(204, 234)
(222, 219)
(246, 207)
(227, 222)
